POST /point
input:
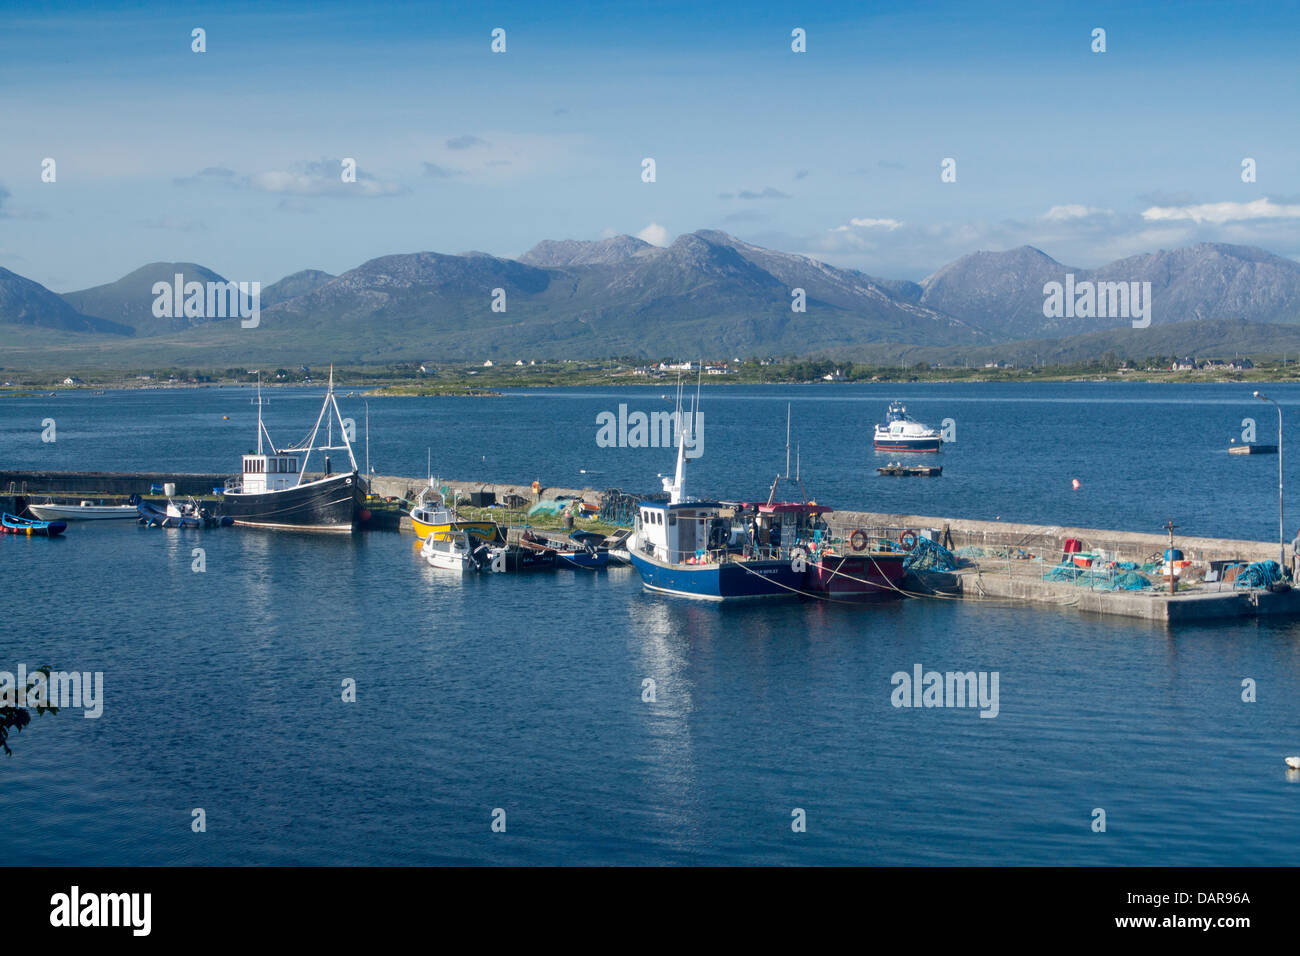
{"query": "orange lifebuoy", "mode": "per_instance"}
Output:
(858, 540)
(537, 486)
(908, 540)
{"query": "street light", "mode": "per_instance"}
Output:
(1281, 535)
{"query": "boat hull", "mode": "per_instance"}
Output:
(330, 504)
(486, 530)
(908, 444)
(83, 512)
(873, 576)
(9, 524)
(726, 581)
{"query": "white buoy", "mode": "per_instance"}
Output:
(1293, 763)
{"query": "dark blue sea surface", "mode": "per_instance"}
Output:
(223, 687)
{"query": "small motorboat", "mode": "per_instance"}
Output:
(568, 552)
(85, 511)
(615, 545)
(186, 514)
(901, 433)
(12, 524)
(462, 553)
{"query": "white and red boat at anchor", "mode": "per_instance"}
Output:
(901, 433)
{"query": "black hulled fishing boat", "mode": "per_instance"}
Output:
(275, 491)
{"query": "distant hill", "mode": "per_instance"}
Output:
(706, 294)
(27, 303)
(129, 300)
(1002, 292)
(299, 283)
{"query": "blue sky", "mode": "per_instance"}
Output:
(231, 158)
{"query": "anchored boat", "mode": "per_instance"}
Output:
(902, 433)
(185, 514)
(462, 552)
(719, 551)
(85, 511)
(569, 553)
(273, 492)
(12, 524)
(433, 516)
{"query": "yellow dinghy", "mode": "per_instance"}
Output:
(433, 516)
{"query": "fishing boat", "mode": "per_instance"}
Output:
(274, 490)
(85, 511)
(902, 433)
(431, 515)
(462, 552)
(12, 524)
(568, 552)
(184, 514)
(722, 551)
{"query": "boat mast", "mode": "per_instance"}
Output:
(261, 427)
(259, 411)
(310, 445)
(677, 486)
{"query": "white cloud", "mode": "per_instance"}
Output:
(654, 234)
(1074, 211)
(1221, 212)
(890, 224)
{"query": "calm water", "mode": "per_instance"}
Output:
(525, 693)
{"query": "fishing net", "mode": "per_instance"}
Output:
(1259, 574)
(928, 556)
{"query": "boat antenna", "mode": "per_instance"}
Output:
(259, 411)
(787, 439)
(367, 404)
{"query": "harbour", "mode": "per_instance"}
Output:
(480, 656)
(1008, 562)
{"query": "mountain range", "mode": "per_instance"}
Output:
(706, 294)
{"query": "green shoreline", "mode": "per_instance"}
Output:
(455, 379)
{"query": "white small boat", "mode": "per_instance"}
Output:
(462, 553)
(1293, 762)
(902, 433)
(85, 511)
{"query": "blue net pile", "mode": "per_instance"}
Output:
(928, 556)
(1258, 574)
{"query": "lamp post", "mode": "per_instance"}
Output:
(1281, 534)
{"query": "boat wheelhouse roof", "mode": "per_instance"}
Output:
(666, 506)
(788, 507)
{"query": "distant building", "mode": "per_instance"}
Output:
(487, 364)
(71, 380)
(519, 361)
